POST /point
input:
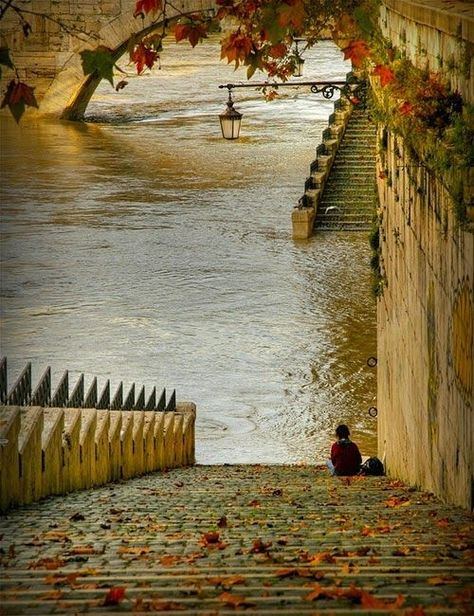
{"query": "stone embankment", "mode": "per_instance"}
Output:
(46, 451)
(255, 539)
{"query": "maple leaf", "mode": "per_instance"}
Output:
(405, 108)
(190, 29)
(357, 52)
(234, 600)
(98, 60)
(143, 56)
(385, 73)
(114, 596)
(18, 96)
(278, 51)
(143, 7)
(370, 601)
(259, 547)
(139, 551)
(292, 13)
(47, 563)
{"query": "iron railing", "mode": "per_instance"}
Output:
(22, 393)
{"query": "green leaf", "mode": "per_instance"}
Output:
(5, 58)
(98, 61)
(271, 27)
(364, 21)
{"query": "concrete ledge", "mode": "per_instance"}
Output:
(9, 461)
(52, 451)
(30, 454)
(55, 451)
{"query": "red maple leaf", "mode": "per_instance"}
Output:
(385, 73)
(114, 596)
(143, 56)
(405, 108)
(17, 96)
(143, 7)
(356, 51)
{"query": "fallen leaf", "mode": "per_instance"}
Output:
(235, 600)
(52, 595)
(114, 596)
(440, 580)
(84, 550)
(56, 535)
(259, 547)
(47, 563)
(59, 579)
(222, 523)
(136, 550)
(77, 517)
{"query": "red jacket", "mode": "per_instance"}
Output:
(345, 456)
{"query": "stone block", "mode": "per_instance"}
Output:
(52, 451)
(9, 461)
(178, 444)
(188, 412)
(302, 220)
(149, 441)
(168, 440)
(30, 454)
(115, 456)
(138, 451)
(126, 445)
(102, 449)
(72, 450)
(159, 440)
(87, 447)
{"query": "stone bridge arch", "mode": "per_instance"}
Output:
(49, 58)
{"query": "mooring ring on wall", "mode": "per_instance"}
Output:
(372, 362)
(373, 412)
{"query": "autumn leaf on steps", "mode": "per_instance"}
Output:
(114, 596)
(357, 52)
(98, 60)
(143, 56)
(18, 96)
(235, 600)
(385, 73)
(143, 7)
(47, 563)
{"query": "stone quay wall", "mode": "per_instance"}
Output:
(48, 57)
(46, 451)
(426, 311)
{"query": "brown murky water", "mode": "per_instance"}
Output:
(140, 246)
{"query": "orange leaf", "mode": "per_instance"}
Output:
(370, 601)
(52, 595)
(385, 73)
(234, 600)
(259, 547)
(47, 563)
(114, 596)
(83, 549)
(139, 551)
(356, 51)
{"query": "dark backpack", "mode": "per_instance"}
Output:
(372, 466)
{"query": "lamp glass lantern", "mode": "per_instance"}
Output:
(230, 120)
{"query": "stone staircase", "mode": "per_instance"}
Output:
(348, 199)
(223, 539)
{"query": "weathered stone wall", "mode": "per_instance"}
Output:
(426, 311)
(48, 58)
(46, 451)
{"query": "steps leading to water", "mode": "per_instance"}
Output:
(348, 198)
(219, 539)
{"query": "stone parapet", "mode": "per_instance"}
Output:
(45, 451)
(434, 34)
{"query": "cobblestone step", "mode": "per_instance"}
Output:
(257, 539)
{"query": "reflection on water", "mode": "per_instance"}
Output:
(141, 246)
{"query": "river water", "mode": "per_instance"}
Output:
(140, 246)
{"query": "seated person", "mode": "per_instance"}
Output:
(345, 455)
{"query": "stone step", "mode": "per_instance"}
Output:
(259, 539)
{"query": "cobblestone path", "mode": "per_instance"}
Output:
(252, 539)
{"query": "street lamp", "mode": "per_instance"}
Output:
(230, 120)
(354, 89)
(299, 61)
